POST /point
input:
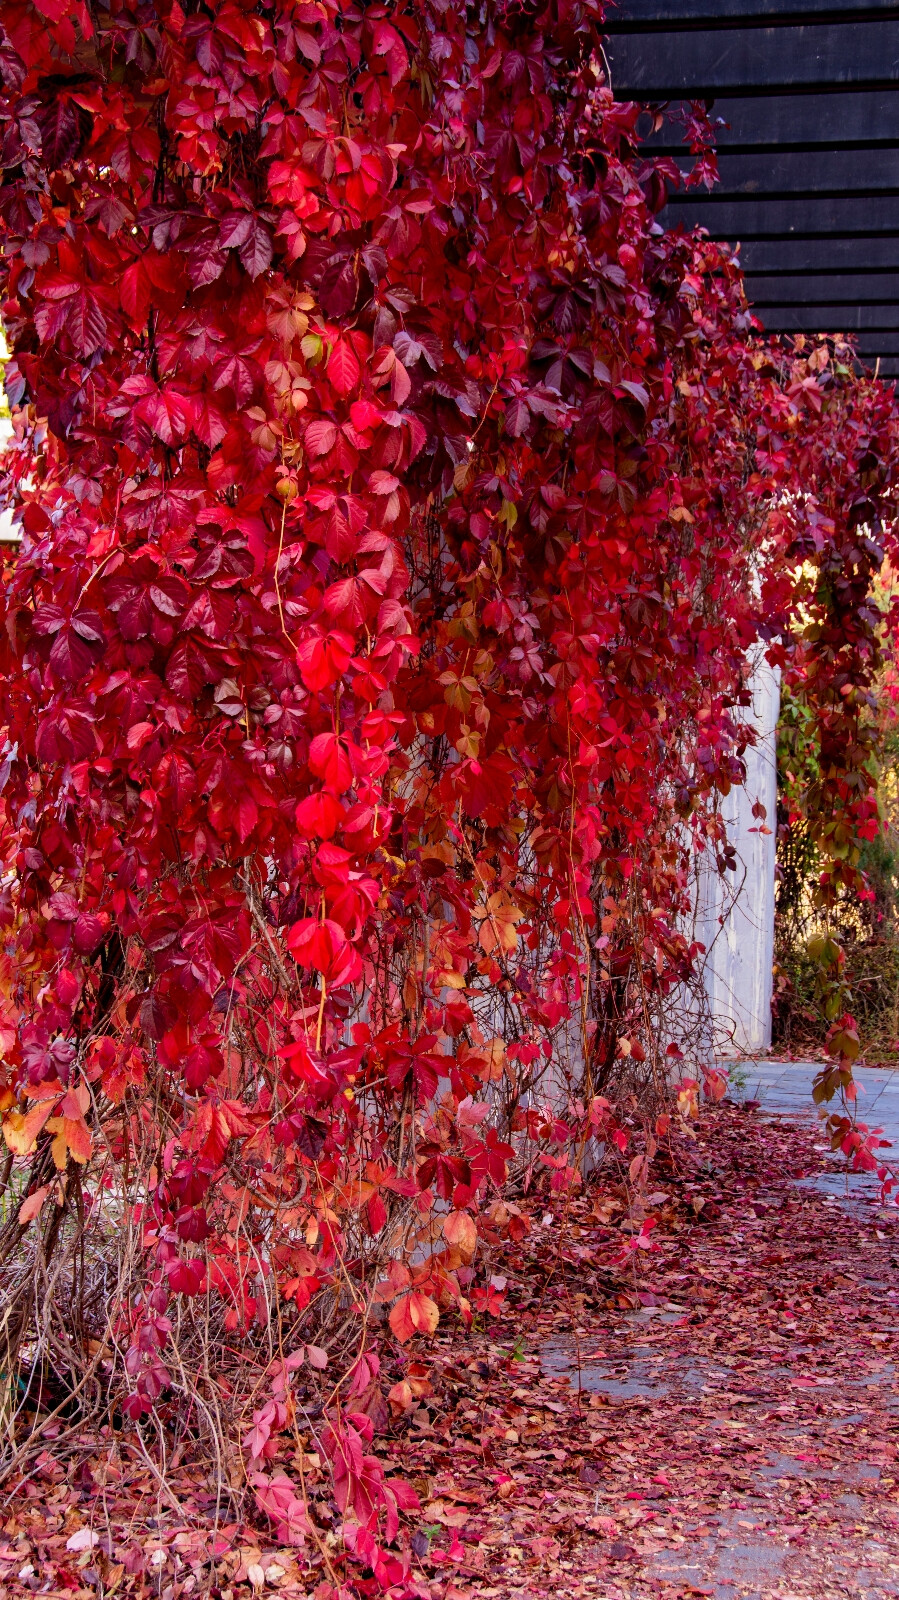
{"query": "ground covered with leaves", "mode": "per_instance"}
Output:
(719, 1416)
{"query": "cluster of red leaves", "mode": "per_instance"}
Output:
(399, 507)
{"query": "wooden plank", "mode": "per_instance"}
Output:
(829, 319)
(687, 13)
(832, 119)
(779, 219)
(827, 172)
(805, 289)
(872, 345)
(809, 147)
(666, 66)
(820, 256)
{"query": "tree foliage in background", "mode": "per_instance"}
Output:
(839, 952)
(399, 509)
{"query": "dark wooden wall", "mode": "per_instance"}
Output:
(809, 156)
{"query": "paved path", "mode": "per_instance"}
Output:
(759, 1389)
(784, 1088)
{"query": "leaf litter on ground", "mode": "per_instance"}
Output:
(721, 1419)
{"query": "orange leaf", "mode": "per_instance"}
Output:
(32, 1205)
(71, 1137)
(460, 1232)
(414, 1313)
(498, 926)
(401, 1397)
(495, 1051)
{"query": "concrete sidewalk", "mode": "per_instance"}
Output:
(786, 1087)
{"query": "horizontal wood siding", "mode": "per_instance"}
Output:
(662, 66)
(806, 96)
(623, 15)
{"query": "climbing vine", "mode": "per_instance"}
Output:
(400, 507)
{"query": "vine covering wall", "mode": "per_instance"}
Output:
(399, 504)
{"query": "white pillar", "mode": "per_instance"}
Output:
(735, 914)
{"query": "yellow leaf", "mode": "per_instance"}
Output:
(21, 1131)
(71, 1137)
(469, 743)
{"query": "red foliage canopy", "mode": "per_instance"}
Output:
(400, 506)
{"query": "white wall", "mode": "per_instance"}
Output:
(735, 913)
(8, 531)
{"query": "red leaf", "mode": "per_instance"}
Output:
(322, 659)
(278, 1499)
(376, 1213)
(72, 308)
(343, 368)
(320, 436)
(345, 601)
(319, 816)
(208, 422)
(256, 251)
(324, 947)
(135, 295)
(329, 760)
(235, 229)
(383, 482)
